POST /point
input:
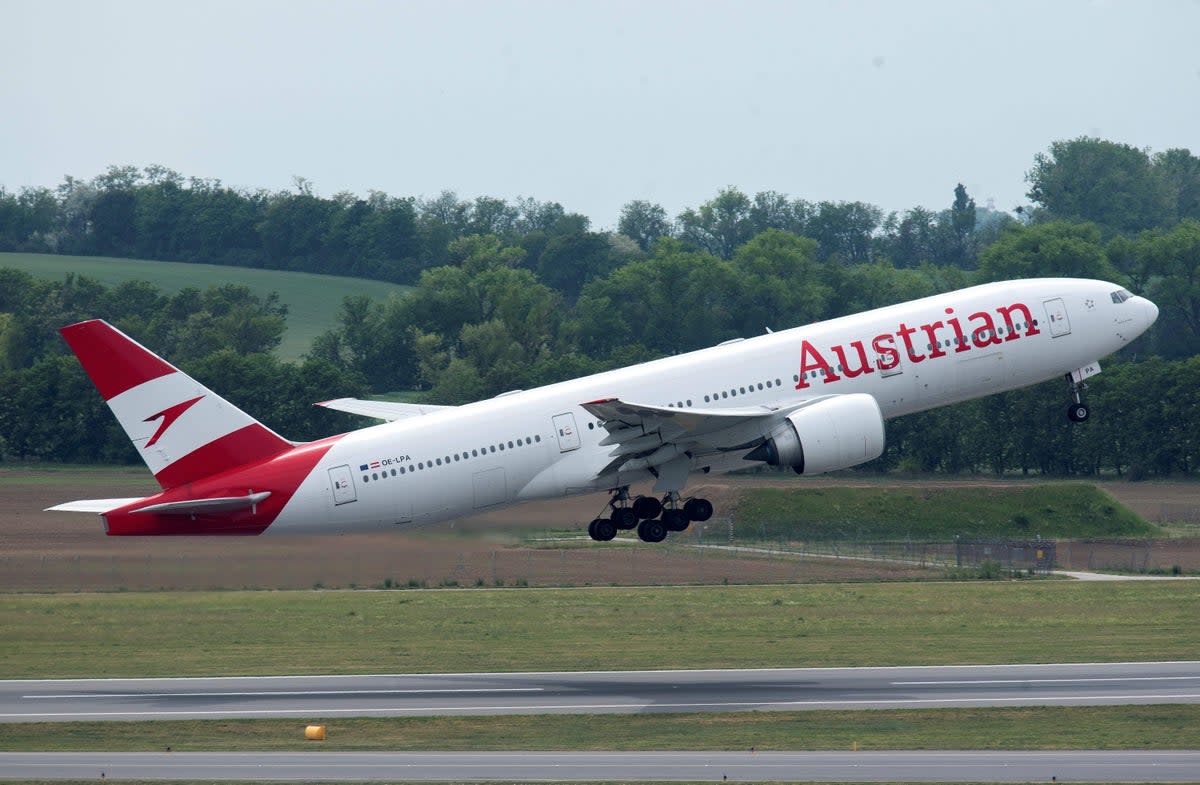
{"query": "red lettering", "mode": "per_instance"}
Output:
(906, 333)
(985, 335)
(934, 342)
(811, 360)
(888, 357)
(864, 365)
(1011, 326)
(960, 338)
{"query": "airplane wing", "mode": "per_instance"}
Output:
(645, 436)
(381, 410)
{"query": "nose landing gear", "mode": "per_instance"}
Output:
(1077, 411)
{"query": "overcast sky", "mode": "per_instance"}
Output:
(592, 104)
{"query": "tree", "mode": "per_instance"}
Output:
(1108, 183)
(773, 210)
(643, 222)
(779, 283)
(1180, 170)
(1055, 249)
(1175, 258)
(845, 229)
(113, 222)
(962, 225)
(571, 260)
(720, 225)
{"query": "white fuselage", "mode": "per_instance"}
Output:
(540, 443)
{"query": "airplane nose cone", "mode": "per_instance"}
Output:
(1151, 312)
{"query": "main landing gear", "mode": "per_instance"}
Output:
(1077, 411)
(652, 518)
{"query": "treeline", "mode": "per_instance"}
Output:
(157, 213)
(225, 336)
(513, 296)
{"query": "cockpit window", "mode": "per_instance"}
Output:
(1120, 296)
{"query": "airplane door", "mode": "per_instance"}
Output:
(564, 428)
(342, 483)
(1056, 312)
(490, 487)
(885, 369)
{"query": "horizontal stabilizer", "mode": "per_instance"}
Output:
(207, 506)
(92, 505)
(381, 410)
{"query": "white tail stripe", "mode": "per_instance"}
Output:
(207, 420)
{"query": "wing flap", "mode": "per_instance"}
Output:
(645, 436)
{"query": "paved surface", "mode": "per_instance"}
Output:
(1105, 576)
(900, 766)
(600, 692)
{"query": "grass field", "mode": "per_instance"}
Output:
(312, 300)
(1034, 728)
(1047, 510)
(250, 633)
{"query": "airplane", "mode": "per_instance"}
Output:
(813, 398)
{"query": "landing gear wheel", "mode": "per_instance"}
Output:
(698, 509)
(605, 530)
(602, 530)
(652, 530)
(624, 518)
(1078, 412)
(675, 520)
(646, 507)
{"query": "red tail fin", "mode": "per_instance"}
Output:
(183, 430)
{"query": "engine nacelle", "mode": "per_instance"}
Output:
(833, 434)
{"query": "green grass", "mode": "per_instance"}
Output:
(1033, 728)
(58, 474)
(312, 300)
(305, 632)
(1048, 510)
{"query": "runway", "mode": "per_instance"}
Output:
(900, 766)
(599, 692)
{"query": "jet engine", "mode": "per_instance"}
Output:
(832, 434)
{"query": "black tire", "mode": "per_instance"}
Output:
(698, 509)
(675, 520)
(593, 526)
(652, 530)
(646, 507)
(1078, 412)
(605, 529)
(624, 518)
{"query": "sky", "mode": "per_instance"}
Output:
(592, 104)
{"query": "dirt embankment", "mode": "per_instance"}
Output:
(44, 551)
